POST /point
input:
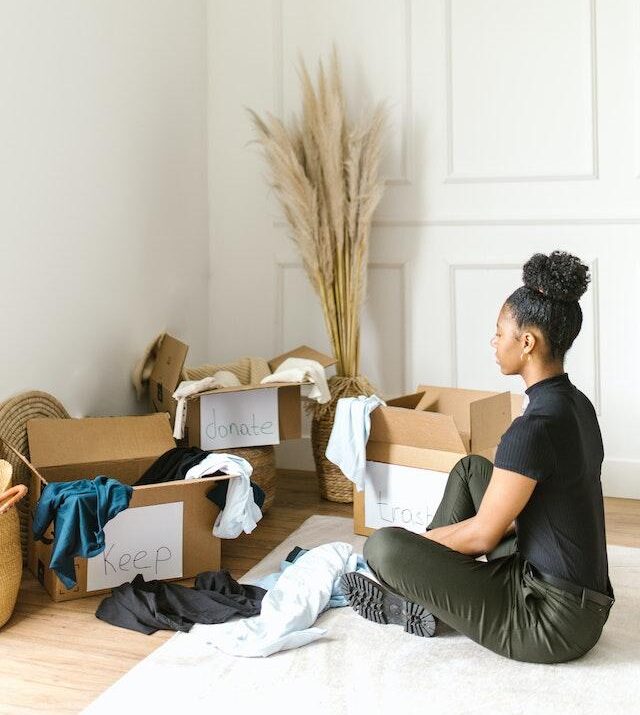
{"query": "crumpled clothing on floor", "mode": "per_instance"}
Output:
(289, 609)
(148, 606)
(338, 600)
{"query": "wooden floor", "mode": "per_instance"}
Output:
(56, 658)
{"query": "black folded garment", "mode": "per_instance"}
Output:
(172, 465)
(218, 494)
(148, 606)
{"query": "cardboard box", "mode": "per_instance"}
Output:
(231, 417)
(414, 443)
(166, 375)
(165, 533)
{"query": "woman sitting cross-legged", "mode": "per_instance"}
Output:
(543, 595)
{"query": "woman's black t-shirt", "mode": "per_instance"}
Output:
(557, 442)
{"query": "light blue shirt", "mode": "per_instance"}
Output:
(347, 445)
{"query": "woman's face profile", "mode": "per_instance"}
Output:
(507, 343)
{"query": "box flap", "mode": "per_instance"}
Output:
(436, 459)
(409, 402)
(426, 430)
(448, 402)
(303, 351)
(453, 396)
(490, 418)
(242, 388)
(452, 401)
(456, 402)
(59, 442)
(165, 376)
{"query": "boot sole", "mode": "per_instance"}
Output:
(380, 605)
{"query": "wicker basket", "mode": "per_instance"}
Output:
(263, 461)
(334, 486)
(10, 550)
(14, 415)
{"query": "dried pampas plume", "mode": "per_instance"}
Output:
(324, 170)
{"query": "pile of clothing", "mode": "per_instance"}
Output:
(147, 606)
(306, 586)
(277, 613)
(240, 500)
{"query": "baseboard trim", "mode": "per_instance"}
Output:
(621, 478)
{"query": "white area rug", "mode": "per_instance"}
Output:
(361, 667)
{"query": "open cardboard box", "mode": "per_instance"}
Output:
(414, 443)
(230, 417)
(164, 534)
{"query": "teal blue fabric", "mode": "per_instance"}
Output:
(79, 511)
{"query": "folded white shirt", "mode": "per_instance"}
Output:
(240, 513)
(222, 378)
(347, 446)
(302, 370)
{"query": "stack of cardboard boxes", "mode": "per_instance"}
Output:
(166, 533)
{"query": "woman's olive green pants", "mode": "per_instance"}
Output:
(498, 603)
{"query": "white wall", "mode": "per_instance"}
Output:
(515, 130)
(103, 192)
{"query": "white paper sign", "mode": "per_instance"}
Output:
(239, 419)
(146, 540)
(401, 496)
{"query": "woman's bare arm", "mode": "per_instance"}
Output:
(506, 496)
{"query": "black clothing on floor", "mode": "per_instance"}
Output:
(557, 442)
(148, 606)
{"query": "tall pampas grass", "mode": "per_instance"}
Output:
(324, 170)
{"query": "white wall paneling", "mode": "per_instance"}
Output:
(384, 36)
(384, 336)
(520, 107)
(514, 129)
(472, 361)
(634, 68)
(383, 347)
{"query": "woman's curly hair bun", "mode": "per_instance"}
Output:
(559, 276)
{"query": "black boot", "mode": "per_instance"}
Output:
(379, 604)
